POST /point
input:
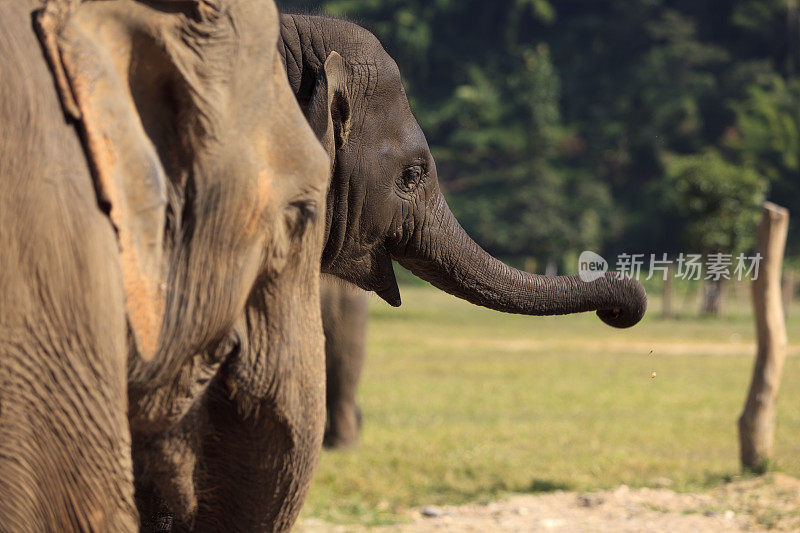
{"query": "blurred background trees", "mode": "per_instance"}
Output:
(638, 126)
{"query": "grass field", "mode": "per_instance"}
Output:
(463, 404)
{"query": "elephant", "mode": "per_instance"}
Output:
(383, 204)
(344, 323)
(309, 41)
(155, 170)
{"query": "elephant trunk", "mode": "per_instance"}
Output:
(442, 253)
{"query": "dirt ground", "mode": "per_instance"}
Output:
(771, 502)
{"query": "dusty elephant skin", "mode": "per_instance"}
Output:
(232, 442)
(153, 170)
(64, 444)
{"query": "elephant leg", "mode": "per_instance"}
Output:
(344, 319)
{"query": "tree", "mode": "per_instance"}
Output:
(556, 125)
(721, 204)
(767, 138)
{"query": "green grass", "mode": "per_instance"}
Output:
(464, 404)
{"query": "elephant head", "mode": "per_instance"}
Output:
(200, 156)
(384, 201)
(214, 184)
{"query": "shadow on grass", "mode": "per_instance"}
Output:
(713, 479)
(546, 485)
(452, 495)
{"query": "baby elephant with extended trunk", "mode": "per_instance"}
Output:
(384, 203)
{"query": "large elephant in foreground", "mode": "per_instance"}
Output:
(153, 167)
(383, 204)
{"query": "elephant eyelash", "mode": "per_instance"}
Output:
(300, 215)
(307, 209)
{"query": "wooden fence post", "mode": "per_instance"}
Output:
(757, 422)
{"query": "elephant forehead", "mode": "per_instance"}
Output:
(264, 188)
(294, 162)
(404, 148)
(264, 196)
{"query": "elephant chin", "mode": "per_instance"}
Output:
(371, 273)
(390, 292)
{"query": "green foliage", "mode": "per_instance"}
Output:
(499, 133)
(720, 200)
(767, 137)
(559, 126)
(768, 125)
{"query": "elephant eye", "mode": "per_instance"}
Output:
(411, 177)
(299, 216)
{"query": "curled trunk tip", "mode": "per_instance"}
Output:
(632, 302)
(444, 255)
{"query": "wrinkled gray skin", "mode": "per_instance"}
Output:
(344, 322)
(383, 204)
(127, 245)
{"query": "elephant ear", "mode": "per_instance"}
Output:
(129, 177)
(328, 111)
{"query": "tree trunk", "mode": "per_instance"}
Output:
(789, 286)
(712, 297)
(667, 311)
(757, 422)
(792, 34)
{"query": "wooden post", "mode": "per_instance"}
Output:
(757, 422)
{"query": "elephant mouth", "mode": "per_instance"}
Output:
(388, 290)
(372, 272)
